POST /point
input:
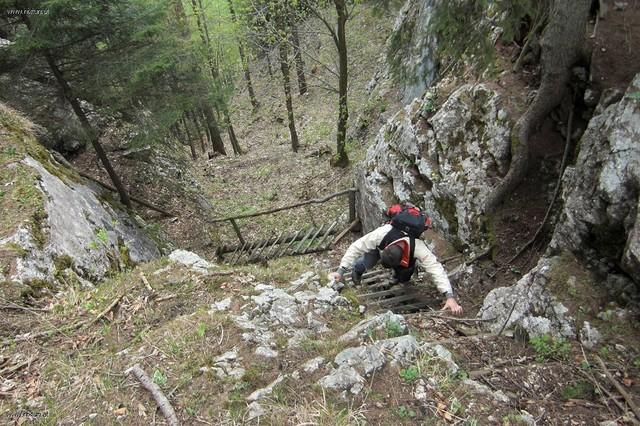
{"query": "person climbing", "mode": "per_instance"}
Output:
(397, 245)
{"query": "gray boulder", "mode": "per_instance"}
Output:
(529, 304)
(377, 322)
(80, 232)
(447, 162)
(343, 378)
(191, 260)
(600, 218)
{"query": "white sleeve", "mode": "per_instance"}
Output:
(428, 261)
(364, 244)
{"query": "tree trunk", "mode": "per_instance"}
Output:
(245, 62)
(247, 77)
(297, 55)
(342, 160)
(232, 134)
(175, 132)
(91, 133)
(201, 134)
(192, 143)
(215, 74)
(203, 118)
(216, 139)
(284, 67)
(561, 47)
(269, 64)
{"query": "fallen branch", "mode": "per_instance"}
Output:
(508, 318)
(75, 326)
(619, 388)
(461, 319)
(604, 391)
(161, 400)
(105, 311)
(168, 297)
(9, 370)
(145, 281)
(59, 158)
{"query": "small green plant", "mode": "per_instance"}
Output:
(636, 362)
(159, 378)
(410, 374)
(11, 150)
(455, 407)
(461, 375)
(405, 412)
(393, 329)
(202, 329)
(605, 351)
(102, 236)
(547, 348)
(578, 390)
(635, 95)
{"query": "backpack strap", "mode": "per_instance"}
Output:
(393, 235)
(412, 250)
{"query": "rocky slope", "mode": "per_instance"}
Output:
(63, 228)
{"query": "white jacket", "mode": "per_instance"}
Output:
(421, 253)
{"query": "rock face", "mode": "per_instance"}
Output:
(46, 108)
(81, 233)
(600, 214)
(445, 161)
(529, 304)
(411, 48)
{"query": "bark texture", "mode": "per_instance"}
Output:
(284, 67)
(561, 47)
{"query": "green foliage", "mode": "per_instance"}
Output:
(410, 374)
(393, 329)
(463, 27)
(159, 378)
(202, 330)
(636, 362)
(102, 236)
(548, 347)
(578, 390)
(405, 412)
(635, 96)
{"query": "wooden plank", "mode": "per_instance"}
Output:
(255, 255)
(343, 233)
(397, 299)
(383, 285)
(275, 244)
(313, 238)
(237, 229)
(326, 235)
(371, 276)
(295, 251)
(425, 303)
(383, 293)
(234, 253)
(285, 248)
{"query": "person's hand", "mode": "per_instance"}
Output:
(334, 276)
(453, 306)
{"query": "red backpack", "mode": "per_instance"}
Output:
(408, 219)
